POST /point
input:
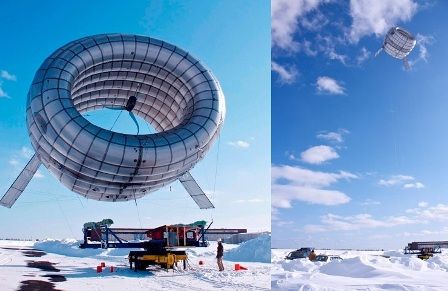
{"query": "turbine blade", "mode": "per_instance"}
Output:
(195, 191)
(21, 182)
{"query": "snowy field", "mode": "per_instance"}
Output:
(360, 270)
(61, 265)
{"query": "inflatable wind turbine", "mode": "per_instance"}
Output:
(398, 43)
(155, 80)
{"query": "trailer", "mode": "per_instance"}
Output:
(426, 249)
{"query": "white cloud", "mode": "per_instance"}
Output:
(331, 136)
(332, 222)
(407, 182)
(395, 180)
(3, 94)
(369, 202)
(292, 157)
(284, 20)
(253, 200)
(423, 204)
(319, 154)
(424, 232)
(7, 76)
(376, 17)
(239, 144)
(274, 214)
(333, 55)
(298, 184)
(39, 175)
(438, 212)
(21, 158)
(307, 49)
(281, 223)
(363, 55)
(305, 177)
(287, 75)
(284, 195)
(420, 215)
(315, 20)
(337, 137)
(326, 44)
(422, 42)
(416, 185)
(13, 162)
(328, 85)
(26, 152)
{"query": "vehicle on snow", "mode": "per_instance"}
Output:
(327, 258)
(299, 254)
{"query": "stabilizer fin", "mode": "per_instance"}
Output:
(21, 182)
(378, 52)
(406, 64)
(195, 191)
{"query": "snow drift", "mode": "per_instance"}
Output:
(70, 248)
(360, 270)
(254, 250)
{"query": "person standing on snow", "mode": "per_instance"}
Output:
(312, 256)
(219, 255)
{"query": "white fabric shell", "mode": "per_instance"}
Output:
(179, 97)
(398, 42)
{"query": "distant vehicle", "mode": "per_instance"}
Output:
(299, 254)
(327, 258)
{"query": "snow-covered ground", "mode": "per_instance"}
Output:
(61, 265)
(360, 270)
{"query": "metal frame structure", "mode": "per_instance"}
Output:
(425, 247)
(111, 238)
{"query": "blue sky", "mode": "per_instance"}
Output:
(358, 143)
(236, 48)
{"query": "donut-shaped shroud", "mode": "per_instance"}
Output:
(398, 42)
(174, 93)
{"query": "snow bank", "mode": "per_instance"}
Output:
(15, 243)
(438, 262)
(70, 248)
(66, 247)
(254, 250)
(362, 267)
(299, 265)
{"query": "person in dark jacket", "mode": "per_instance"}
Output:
(219, 255)
(312, 256)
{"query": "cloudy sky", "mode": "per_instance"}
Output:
(359, 147)
(236, 48)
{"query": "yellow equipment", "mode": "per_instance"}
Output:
(425, 256)
(166, 259)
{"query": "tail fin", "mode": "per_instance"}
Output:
(20, 183)
(195, 191)
(378, 52)
(406, 64)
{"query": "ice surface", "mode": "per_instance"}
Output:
(79, 268)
